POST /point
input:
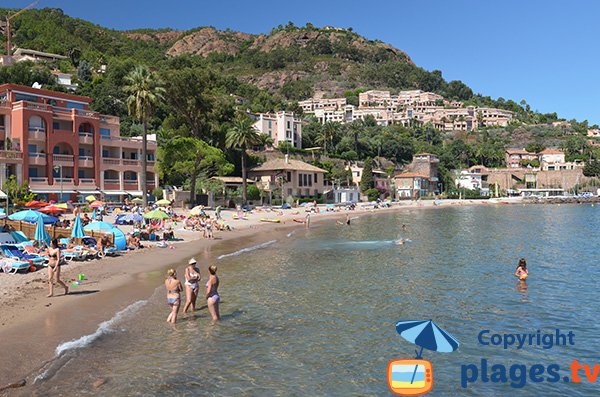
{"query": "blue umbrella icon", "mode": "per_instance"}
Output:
(426, 334)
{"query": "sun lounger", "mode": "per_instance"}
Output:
(13, 266)
(12, 251)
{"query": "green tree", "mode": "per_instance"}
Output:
(187, 158)
(535, 147)
(145, 92)
(18, 193)
(592, 168)
(366, 179)
(242, 135)
(327, 135)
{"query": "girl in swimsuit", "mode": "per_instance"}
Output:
(173, 289)
(212, 293)
(522, 271)
(54, 268)
(192, 277)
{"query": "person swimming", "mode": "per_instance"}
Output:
(212, 293)
(522, 272)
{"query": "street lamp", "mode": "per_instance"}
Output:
(58, 168)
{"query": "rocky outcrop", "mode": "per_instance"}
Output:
(158, 37)
(276, 79)
(206, 40)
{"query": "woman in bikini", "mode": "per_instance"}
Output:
(54, 268)
(192, 277)
(522, 271)
(173, 299)
(212, 293)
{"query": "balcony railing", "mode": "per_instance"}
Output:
(109, 119)
(86, 161)
(37, 158)
(111, 161)
(62, 158)
(38, 180)
(37, 133)
(11, 155)
(87, 113)
(106, 180)
(87, 181)
(86, 137)
(132, 162)
(63, 180)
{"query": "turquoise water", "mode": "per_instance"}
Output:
(314, 313)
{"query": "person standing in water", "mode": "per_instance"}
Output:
(192, 277)
(522, 271)
(173, 299)
(212, 293)
(54, 268)
(307, 221)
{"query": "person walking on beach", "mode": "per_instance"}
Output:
(173, 299)
(307, 221)
(522, 271)
(192, 277)
(54, 268)
(212, 293)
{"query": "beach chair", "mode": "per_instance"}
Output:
(13, 266)
(12, 251)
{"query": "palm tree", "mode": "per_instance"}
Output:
(327, 134)
(242, 136)
(145, 92)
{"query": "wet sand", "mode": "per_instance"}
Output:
(32, 326)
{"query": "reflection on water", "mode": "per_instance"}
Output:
(314, 314)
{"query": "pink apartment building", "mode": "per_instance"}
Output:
(56, 143)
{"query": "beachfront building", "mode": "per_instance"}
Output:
(420, 178)
(290, 178)
(474, 178)
(65, 79)
(281, 127)
(516, 157)
(58, 145)
(412, 185)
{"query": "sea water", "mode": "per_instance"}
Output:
(314, 313)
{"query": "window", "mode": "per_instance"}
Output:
(270, 124)
(105, 133)
(80, 174)
(305, 178)
(33, 172)
(315, 177)
(25, 97)
(56, 125)
(289, 176)
(288, 125)
(309, 180)
(31, 149)
(300, 180)
(74, 105)
(104, 153)
(81, 153)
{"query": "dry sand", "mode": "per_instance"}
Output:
(32, 326)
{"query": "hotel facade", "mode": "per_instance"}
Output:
(58, 145)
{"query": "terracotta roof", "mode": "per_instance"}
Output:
(411, 175)
(518, 151)
(232, 179)
(551, 151)
(292, 165)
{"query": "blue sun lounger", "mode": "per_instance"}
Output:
(12, 251)
(12, 267)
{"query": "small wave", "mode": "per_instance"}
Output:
(103, 328)
(290, 233)
(249, 249)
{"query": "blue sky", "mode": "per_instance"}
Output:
(541, 51)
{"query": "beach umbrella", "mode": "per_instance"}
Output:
(32, 217)
(51, 209)
(99, 225)
(41, 234)
(137, 200)
(35, 204)
(156, 214)
(197, 210)
(90, 198)
(163, 202)
(428, 335)
(97, 204)
(63, 205)
(77, 231)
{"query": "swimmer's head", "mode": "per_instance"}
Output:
(212, 269)
(171, 272)
(522, 262)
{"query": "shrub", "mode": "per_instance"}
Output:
(372, 194)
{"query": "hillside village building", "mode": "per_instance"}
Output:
(421, 178)
(58, 145)
(407, 108)
(281, 127)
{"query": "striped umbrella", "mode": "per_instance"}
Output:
(77, 231)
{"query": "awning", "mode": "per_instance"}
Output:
(3, 195)
(135, 193)
(51, 191)
(89, 191)
(114, 192)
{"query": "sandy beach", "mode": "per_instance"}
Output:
(32, 326)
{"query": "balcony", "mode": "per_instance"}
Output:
(109, 119)
(86, 138)
(134, 163)
(87, 182)
(86, 161)
(87, 113)
(37, 134)
(38, 181)
(64, 181)
(11, 155)
(37, 158)
(62, 159)
(130, 185)
(111, 161)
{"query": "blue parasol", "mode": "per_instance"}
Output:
(428, 335)
(99, 225)
(41, 234)
(77, 231)
(32, 217)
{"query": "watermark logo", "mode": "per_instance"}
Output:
(408, 377)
